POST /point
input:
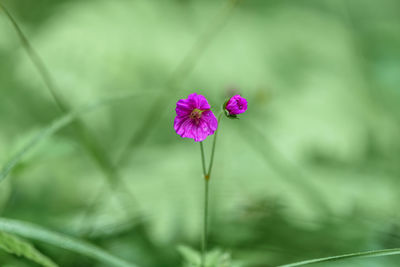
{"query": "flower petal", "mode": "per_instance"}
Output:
(199, 101)
(209, 118)
(184, 107)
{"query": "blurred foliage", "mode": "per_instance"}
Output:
(214, 258)
(310, 170)
(14, 245)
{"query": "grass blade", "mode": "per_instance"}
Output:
(92, 147)
(373, 253)
(35, 58)
(57, 125)
(14, 245)
(41, 234)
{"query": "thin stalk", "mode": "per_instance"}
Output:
(364, 254)
(206, 186)
(203, 160)
(204, 237)
(36, 60)
(213, 149)
(205, 225)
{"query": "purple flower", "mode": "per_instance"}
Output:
(236, 105)
(194, 119)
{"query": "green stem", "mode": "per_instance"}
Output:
(373, 253)
(203, 161)
(206, 185)
(204, 237)
(205, 225)
(213, 149)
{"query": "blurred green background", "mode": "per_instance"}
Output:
(310, 170)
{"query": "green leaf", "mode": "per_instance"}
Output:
(14, 245)
(214, 258)
(190, 256)
(373, 253)
(34, 232)
(58, 124)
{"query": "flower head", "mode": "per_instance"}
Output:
(236, 105)
(194, 119)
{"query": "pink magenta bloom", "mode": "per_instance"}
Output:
(236, 105)
(194, 119)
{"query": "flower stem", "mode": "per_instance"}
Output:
(213, 148)
(203, 161)
(206, 185)
(204, 237)
(205, 225)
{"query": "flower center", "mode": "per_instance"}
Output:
(240, 106)
(196, 114)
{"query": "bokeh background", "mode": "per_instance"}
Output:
(310, 170)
